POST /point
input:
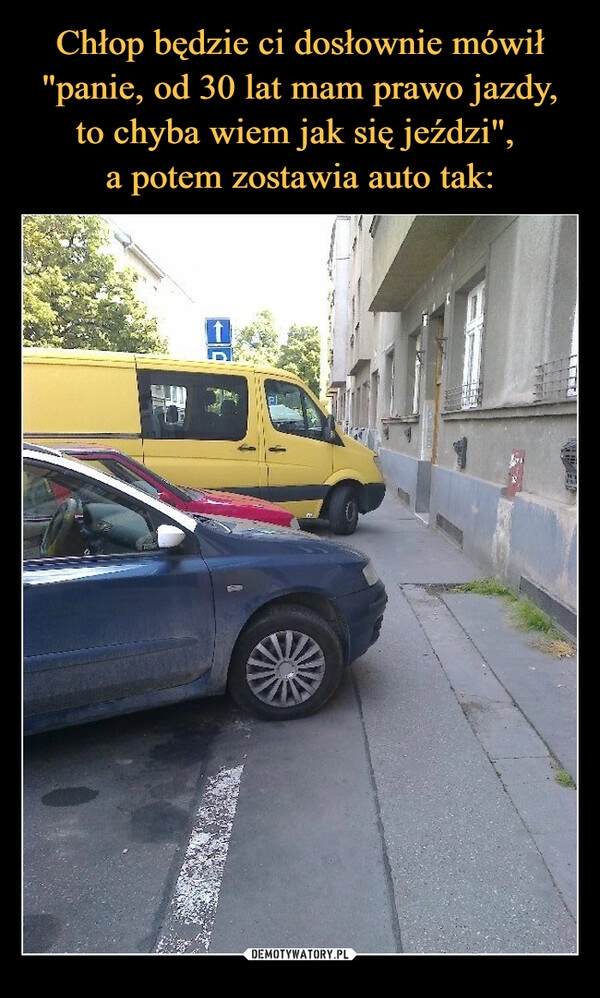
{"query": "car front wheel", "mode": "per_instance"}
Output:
(286, 665)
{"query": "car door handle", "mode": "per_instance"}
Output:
(278, 449)
(246, 447)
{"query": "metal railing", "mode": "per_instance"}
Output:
(556, 380)
(463, 397)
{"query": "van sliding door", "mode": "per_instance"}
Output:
(199, 428)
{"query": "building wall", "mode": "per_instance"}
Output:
(177, 315)
(455, 465)
(334, 387)
(339, 265)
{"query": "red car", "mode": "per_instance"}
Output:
(127, 469)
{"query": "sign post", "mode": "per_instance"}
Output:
(218, 339)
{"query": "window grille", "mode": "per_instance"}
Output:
(556, 380)
(463, 397)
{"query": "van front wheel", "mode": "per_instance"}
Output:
(343, 510)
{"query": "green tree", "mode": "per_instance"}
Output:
(258, 343)
(73, 293)
(302, 355)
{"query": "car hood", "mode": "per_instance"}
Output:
(251, 533)
(306, 561)
(247, 507)
(247, 525)
(218, 498)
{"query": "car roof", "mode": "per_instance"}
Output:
(94, 449)
(37, 453)
(108, 452)
(40, 447)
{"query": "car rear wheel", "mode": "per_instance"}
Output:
(286, 665)
(343, 510)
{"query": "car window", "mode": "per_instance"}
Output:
(124, 473)
(39, 498)
(68, 515)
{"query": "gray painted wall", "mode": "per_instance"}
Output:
(509, 538)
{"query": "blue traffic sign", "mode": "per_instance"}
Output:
(219, 353)
(218, 331)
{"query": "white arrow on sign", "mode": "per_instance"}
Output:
(218, 327)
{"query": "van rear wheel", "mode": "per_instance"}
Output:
(343, 510)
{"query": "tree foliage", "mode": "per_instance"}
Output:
(302, 355)
(258, 342)
(73, 293)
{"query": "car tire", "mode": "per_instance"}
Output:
(343, 510)
(287, 664)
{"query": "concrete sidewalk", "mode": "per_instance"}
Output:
(542, 685)
(520, 701)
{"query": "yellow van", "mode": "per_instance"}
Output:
(205, 424)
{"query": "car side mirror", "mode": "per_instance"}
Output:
(329, 430)
(169, 536)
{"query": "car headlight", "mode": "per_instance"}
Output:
(370, 574)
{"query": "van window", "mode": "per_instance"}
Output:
(193, 406)
(293, 411)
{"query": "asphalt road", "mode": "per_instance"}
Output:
(394, 822)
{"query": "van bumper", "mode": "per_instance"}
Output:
(372, 496)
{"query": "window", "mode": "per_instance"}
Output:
(471, 388)
(413, 367)
(572, 386)
(374, 398)
(293, 411)
(68, 516)
(390, 378)
(364, 405)
(193, 406)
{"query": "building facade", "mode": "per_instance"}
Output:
(177, 314)
(460, 354)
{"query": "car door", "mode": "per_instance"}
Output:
(126, 620)
(299, 458)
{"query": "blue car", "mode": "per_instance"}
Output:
(129, 604)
